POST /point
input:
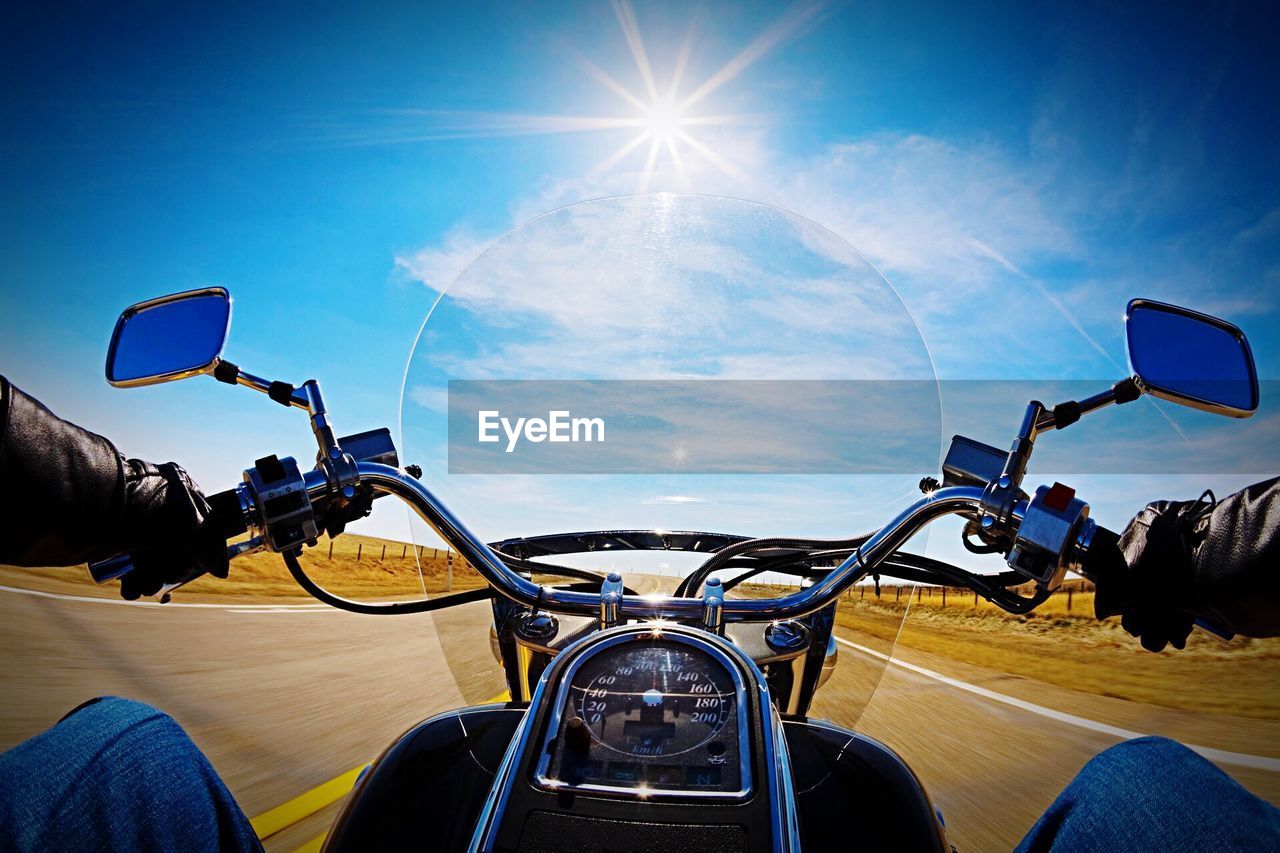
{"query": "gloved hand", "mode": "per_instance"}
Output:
(1151, 582)
(166, 518)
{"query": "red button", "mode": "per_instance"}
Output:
(1059, 497)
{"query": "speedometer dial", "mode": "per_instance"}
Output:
(659, 701)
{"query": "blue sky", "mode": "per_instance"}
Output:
(1018, 172)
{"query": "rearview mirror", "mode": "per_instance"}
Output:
(169, 338)
(1191, 358)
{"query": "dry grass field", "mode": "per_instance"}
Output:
(1070, 648)
(1077, 651)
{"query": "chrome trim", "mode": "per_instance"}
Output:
(257, 383)
(1187, 399)
(610, 600)
(713, 602)
(490, 817)
(829, 660)
(951, 500)
(138, 308)
(630, 634)
(786, 825)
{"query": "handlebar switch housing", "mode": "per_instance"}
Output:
(280, 493)
(1045, 546)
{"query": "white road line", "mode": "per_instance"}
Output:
(248, 608)
(1240, 759)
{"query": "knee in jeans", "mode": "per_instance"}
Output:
(119, 711)
(1140, 759)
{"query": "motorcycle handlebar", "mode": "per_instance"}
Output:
(226, 517)
(961, 500)
(952, 500)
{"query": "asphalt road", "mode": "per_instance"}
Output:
(284, 699)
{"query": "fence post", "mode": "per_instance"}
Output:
(897, 592)
(403, 550)
(1069, 599)
(359, 548)
(919, 594)
(449, 586)
(384, 552)
(944, 596)
(863, 591)
(975, 598)
(330, 549)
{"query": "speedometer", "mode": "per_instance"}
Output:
(657, 701)
(644, 713)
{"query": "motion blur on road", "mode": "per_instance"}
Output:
(284, 697)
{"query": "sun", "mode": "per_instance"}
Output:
(664, 116)
(667, 117)
(664, 120)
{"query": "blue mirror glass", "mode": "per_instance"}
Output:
(172, 337)
(1191, 358)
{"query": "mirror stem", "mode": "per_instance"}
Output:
(282, 392)
(1065, 414)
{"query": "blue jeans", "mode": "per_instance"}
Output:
(119, 775)
(116, 775)
(1154, 794)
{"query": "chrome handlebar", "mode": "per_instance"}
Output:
(953, 500)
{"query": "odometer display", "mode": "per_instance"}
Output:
(664, 700)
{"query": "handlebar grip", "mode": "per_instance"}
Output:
(225, 513)
(1104, 559)
(110, 569)
(225, 517)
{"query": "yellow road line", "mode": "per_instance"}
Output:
(304, 805)
(307, 804)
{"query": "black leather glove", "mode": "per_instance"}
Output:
(76, 499)
(1182, 560)
(1155, 582)
(166, 516)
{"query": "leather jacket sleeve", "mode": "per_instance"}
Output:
(73, 498)
(1237, 562)
(64, 487)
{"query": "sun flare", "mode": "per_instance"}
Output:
(663, 120)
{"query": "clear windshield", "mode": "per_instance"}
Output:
(672, 363)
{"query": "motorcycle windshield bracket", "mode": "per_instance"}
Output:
(713, 605)
(610, 600)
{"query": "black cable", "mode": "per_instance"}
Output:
(917, 569)
(696, 578)
(549, 568)
(391, 608)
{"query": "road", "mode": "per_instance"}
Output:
(283, 699)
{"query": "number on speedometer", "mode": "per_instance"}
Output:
(660, 701)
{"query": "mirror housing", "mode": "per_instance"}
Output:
(1191, 359)
(170, 337)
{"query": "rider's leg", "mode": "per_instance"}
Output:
(116, 775)
(1154, 794)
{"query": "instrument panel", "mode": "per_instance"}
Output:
(649, 717)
